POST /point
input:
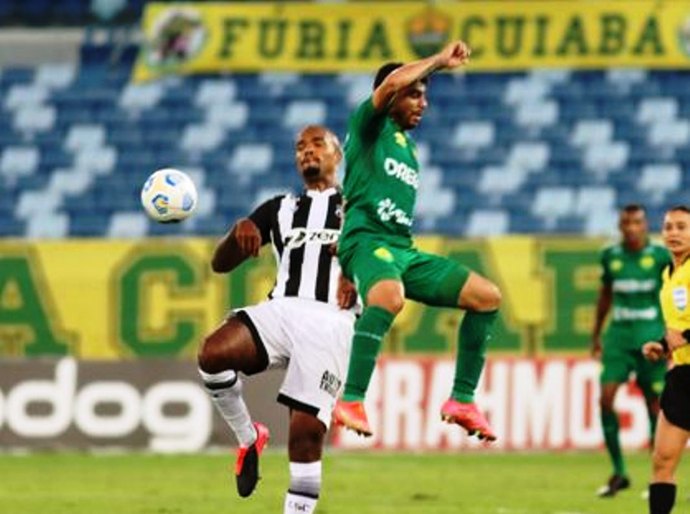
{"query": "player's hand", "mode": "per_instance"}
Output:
(453, 55)
(248, 237)
(346, 293)
(595, 350)
(675, 339)
(653, 351)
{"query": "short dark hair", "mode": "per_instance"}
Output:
(680, 207)
(389, 68)
(633, 207)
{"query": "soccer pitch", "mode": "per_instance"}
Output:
(471, 483)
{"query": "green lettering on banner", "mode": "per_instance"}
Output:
(181, 274)
(437, 329)
(572, 301)
(509, 35)
(467, 34)
(344, 27)
(377, 45)
(613, 29)
(272, 38)
(231, 30)
(542, 26)
(312, 40)
(28, 323)
(650, 37)
(574, 37)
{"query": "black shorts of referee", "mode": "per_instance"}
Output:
(675, 400)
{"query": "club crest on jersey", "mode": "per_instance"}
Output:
(400, 139)
(680, 297)
(297, 237)
(616, 265)
(647, 262)
(384, 254)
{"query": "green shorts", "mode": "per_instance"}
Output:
(622, 354)
(427, 278)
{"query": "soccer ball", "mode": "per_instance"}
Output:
(169, 195)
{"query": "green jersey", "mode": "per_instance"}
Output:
(381, 178)
(635, 281)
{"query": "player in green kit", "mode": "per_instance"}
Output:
(376, 250)
(631, 280)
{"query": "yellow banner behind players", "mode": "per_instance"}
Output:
(307, 37)
(100, 299)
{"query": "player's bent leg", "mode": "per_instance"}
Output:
(305, 446)
(385, 299)
(481, 298)
(228, 349)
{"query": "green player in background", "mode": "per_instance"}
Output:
(630, 285)
(376, 249)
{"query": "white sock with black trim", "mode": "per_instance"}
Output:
(225, 389)
(305, 486)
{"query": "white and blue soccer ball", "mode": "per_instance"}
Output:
(169, 195)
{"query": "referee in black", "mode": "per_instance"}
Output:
(673, 425)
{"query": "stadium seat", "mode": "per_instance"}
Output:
(604, 157)
(70, 181)
(474, 135)
(487, 223)
(34, 118)
(251, 158)
(496, 181)
(671, 133)
(138, 97)
(550, 203)
(47, 225)
(213, 92)
(589, 132)
(23, 95)
(525, 90)
(592, 199)
(85, 136)
(35, 203)
(232, 116)
(529, 155)
(659, 179)
(602, 223)
(537, 114)
(201, 138)
(17, 161)
(657, 110)
(55, 75)
(127, 225)
(98, 161)
(304, 112)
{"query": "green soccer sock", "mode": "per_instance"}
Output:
(472, 341)
(369, 331)
(609, 422)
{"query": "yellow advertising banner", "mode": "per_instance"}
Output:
(184, 38)
(101, 299)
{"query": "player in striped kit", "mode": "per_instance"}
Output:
(305, 326)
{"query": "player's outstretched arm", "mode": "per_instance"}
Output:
(241, 242)
(454, 54)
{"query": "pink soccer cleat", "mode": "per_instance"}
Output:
(468, 416)
(247, 464)
(352, 416)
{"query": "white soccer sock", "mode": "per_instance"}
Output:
(305, 486)
(225, 389)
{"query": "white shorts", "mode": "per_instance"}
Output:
(312, 340)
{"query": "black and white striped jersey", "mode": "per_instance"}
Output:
(303, 231)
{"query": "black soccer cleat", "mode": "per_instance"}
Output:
(247, 465)
(616, 483)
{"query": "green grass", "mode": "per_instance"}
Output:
(471, 483)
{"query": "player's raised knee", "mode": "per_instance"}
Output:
(209, 354)
(387, 294)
